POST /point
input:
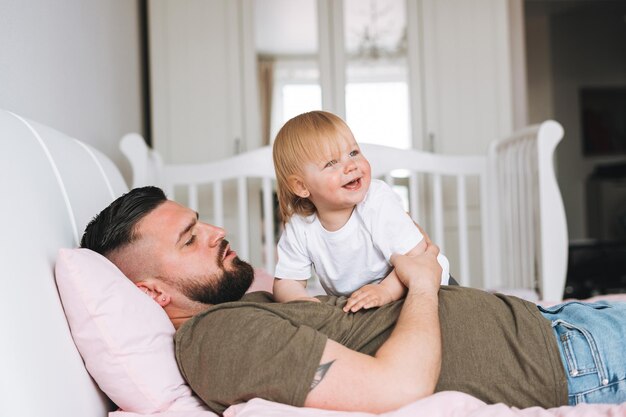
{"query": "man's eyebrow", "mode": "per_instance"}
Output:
(186, 230)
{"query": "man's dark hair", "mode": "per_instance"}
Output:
(114, 227)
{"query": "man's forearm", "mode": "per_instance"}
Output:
(413, 351)
(406, 367)
(415, 343)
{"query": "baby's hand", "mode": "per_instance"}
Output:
(368, 296)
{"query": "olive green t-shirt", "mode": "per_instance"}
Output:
(495, 347)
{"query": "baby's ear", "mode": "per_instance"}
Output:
(298, 187)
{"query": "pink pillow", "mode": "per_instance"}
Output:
(124, 337)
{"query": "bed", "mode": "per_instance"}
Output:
(77, 335)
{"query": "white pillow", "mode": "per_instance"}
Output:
(124, 337)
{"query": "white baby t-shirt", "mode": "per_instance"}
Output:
(359, 252)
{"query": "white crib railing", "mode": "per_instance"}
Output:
(529, 225)
(516, 212)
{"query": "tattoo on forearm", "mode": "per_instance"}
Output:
(320, 373)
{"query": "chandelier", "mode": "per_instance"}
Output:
(376, 30)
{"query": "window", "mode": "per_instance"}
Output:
(296, 90)
(377, 104)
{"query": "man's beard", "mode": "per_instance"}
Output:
(230, 286)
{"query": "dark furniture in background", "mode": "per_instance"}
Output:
(596, 267)
(603, 117)
(606, 202)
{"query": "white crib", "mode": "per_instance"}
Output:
(503, 210)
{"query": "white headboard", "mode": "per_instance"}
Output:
(52, 185)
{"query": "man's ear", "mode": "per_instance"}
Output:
(155, 292)
(297, 186)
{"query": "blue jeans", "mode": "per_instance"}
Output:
(592, 342)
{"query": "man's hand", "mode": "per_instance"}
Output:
(368, 296)
(426, 237)
(421, 261)
(419, 273)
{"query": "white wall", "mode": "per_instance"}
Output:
(73, 65)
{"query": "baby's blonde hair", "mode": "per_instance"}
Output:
(307, 137)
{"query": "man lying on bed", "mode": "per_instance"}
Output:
(233, 347)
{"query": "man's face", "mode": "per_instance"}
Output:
(191, 256)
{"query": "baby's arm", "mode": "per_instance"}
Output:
(390, 288)
(290, 289)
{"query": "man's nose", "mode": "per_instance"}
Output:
(216, 235)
